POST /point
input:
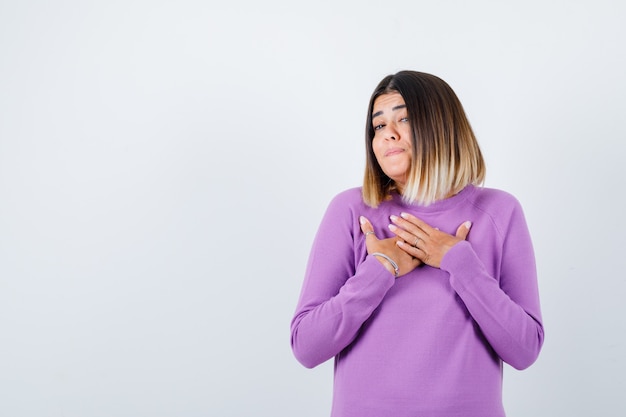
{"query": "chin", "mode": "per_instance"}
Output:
(399, 179)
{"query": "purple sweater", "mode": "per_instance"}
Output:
(432, 342)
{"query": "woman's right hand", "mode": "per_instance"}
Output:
(406, 263)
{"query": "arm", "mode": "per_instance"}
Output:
(337, 297)
(507, 311)
(505, 306)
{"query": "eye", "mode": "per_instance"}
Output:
(404, 119)
(378, 127)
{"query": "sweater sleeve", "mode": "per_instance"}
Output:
(506, 308)
(337, 297)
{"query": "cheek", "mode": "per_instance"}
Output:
(377, 148)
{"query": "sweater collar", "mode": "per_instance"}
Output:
(439, 205)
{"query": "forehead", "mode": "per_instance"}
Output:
(387, 103)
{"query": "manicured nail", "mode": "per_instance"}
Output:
(404, 215)
(468, 224)
(393, 218)
(392, 227)
(363, 220)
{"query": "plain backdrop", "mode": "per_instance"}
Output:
(164, 166)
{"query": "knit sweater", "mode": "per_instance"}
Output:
(430, 343)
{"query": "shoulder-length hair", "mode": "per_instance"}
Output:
(445, 157)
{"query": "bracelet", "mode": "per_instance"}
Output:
(396, 270)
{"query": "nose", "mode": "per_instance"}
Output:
(392, 133)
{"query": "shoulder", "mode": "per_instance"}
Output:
(352, 197)
(502, 207)
(494, 200)
(343, 210)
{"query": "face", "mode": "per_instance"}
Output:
(392, 143)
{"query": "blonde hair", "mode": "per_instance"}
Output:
(446, 156)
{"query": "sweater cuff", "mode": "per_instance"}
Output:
(463, 265)
(374, 268)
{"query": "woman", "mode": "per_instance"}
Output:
(418, 311)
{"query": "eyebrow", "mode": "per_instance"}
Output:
(378, 113)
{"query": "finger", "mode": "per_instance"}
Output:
(421, 255)
(411, 237)
(417, 222)
(410, 249)
(366, 227)
(406, 230)
(463, 230)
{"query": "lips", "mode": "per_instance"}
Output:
(393, 151)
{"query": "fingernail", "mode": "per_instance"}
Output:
(399, 243)
(392, 227)
(393, 218)
(468, 224)
(363, 220)
(404, 215)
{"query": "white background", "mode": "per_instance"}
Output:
(164, 166)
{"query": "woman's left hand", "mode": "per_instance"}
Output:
(424, 242)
